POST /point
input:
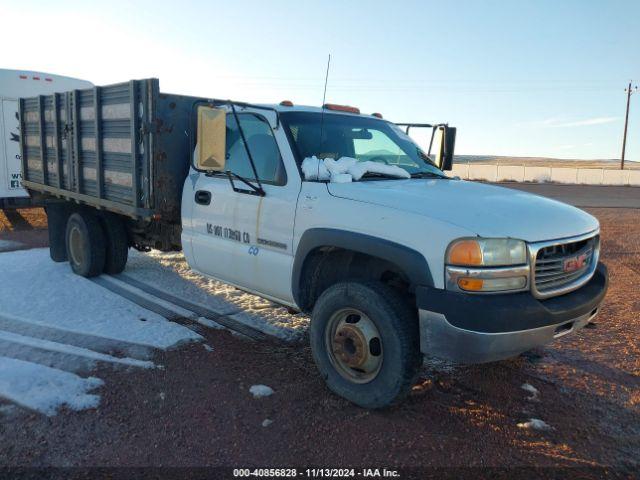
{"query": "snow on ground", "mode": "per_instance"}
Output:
(54, 325)
(22, 341)
(44, 389)
(170, 272)
(260, 391)
(535, 424)
(527, 387)
(48, 293)
(6, 245)
(210, 323)
(8, 409)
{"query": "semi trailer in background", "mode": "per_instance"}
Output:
(13, 85)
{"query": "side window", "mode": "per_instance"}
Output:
(262, 145)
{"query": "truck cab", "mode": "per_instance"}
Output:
(483, 272)
(259, 233)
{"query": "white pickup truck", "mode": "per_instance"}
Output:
(326, 210)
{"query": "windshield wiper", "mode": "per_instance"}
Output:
(428, 175)
(381, 176)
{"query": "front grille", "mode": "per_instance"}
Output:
(553, 264)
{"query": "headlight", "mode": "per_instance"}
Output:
(487, 265)
(486, 252)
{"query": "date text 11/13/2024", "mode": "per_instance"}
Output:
(316, 473)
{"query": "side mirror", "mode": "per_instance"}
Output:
(446, 141)
(211, 138)
(449, 147)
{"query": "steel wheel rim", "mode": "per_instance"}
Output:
(354, 345)
(75, 246)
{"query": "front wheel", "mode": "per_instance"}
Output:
(365, 342)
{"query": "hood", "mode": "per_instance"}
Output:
(486, 210)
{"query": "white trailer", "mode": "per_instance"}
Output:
(13, 85)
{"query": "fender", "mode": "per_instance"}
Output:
(410, 261)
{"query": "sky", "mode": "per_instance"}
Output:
(517, 77)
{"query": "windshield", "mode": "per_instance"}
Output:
(362, 138)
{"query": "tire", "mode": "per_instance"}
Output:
(385, 380)
(57, 217)
(117, 244)
(85, 244)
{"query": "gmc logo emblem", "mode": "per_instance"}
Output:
(574, 263)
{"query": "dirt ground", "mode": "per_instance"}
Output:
(24, 228)
(198, 411)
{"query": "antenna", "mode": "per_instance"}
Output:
(326, 79)
(324, 96)
(628, 91)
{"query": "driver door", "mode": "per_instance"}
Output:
(246, 239)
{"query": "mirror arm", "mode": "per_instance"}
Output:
(433, 134)
(246, 147)
(447, 144)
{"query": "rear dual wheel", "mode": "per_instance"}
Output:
(94, 247)
(86, 246)
(117, 245)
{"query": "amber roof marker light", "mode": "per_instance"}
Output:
(340, 108)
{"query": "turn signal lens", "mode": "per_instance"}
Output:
(465, 252)
(471, 284)
(492, 284)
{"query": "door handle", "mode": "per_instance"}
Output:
(203, 197)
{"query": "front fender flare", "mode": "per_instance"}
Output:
(411, 262)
